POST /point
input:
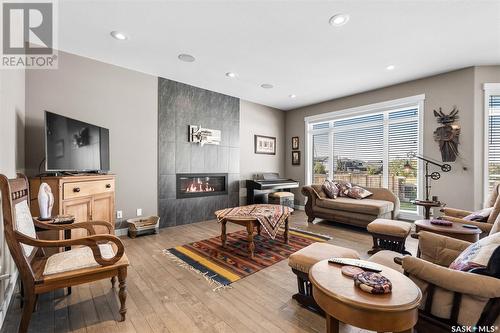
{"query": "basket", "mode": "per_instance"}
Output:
(143, 225)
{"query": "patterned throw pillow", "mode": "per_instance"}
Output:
(477, 255)
(331, 189)
(357, 192)
(343, 188)
(480, 215)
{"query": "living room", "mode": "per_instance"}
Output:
(250, 166)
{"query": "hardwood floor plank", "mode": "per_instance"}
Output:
(164, 297)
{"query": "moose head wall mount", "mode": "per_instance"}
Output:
(447, 134)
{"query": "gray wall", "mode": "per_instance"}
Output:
(12, 118)
(122, 100)
(445, 90)
(261, 120)
(181, 105)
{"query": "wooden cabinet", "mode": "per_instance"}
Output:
(88, 198)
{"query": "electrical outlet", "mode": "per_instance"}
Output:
(119, 214)
(139, 212)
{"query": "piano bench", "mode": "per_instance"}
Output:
(282, 198)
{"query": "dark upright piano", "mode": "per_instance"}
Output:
(270, 182)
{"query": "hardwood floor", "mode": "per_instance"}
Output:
(163, 297)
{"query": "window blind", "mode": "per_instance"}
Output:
(493, 140)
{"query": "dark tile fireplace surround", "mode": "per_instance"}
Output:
(185, 193)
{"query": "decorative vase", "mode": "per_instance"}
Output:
(45, 201)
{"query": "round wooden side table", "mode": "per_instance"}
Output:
(456, 230)
(343, 302)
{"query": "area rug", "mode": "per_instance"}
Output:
(223, 266)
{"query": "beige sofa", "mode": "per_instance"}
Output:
(382, 204)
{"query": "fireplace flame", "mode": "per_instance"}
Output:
(197, 185)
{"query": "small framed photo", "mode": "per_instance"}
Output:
(265, 145)
(295, 143)
(295, 157)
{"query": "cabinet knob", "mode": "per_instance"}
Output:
(76, 189)
(108, 185)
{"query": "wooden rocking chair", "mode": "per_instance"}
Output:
(99, 257)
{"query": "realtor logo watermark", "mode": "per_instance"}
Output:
(28, 34)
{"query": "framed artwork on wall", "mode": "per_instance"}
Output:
(265, 145)
(295, 157)
(295, 143)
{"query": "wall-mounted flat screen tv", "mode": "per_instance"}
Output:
(73, 145)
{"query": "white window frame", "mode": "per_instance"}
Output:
(391, 105)
(489, 90)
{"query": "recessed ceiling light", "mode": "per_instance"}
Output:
(231, 75)
(267, 85)
(292, 96)
(186, 57)
(390, 67)
(339, 20)
(118, 35)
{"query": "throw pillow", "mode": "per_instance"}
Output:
(357, 192)
(331, 189)
(24, 224)
(477, 255)
(493, 267)
(343, 188)
(480, 215)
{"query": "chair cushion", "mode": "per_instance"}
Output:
(479, 215)
(386, 258)
(303, 259)
(389, 227)
(365, 206)
(24, 224)
(496, 226)
(77, 258)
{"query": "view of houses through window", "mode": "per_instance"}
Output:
(370, 151)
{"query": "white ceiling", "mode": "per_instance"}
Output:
(289, 44)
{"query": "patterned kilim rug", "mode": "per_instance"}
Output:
(223, 266)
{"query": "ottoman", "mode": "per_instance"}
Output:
(281, 198)
(389, 235)
(302, 260)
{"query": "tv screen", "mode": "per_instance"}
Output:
(73, 145)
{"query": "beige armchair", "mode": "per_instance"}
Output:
(457, 215)
(450, 297)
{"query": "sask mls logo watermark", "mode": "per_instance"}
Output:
(28, 34)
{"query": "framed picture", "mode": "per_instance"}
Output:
(265, 145)
(295, 157)
(295, 143)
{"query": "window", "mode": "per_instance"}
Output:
(369, 148)
(493, 139)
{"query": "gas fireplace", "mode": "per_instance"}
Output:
(190, 185)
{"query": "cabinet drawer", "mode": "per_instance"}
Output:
(82, 189)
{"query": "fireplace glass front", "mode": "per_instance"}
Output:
(201, 185)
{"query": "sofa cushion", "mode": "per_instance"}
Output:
(331, 189)
(343, 188)
(365, 206)
(318, 191)
(303, 259)
(389, 227)
(357, 192)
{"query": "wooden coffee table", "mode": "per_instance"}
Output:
(250, 223)
(456, 230)
(343, 302)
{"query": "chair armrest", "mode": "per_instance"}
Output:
(387, 195)
(454, 212)
(88, 225)
(452, 280)
(90, 241)
(484, 226)
(439, 249)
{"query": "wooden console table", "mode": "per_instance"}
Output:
(343, 302)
